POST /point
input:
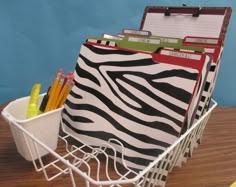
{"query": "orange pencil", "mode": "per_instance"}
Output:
(64, 89)
(57, 92)
(52, 90)
(69, 76)
(67, 91)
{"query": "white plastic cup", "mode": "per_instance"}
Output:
(44, 127)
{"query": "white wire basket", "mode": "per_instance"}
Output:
(95, 167)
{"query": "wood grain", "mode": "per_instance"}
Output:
(213, 163)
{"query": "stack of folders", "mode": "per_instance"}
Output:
(55, 96)
(141, 92)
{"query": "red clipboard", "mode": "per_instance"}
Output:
(162, 13)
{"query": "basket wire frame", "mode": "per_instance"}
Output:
(80, 158)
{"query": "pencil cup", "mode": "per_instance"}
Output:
(44, 127)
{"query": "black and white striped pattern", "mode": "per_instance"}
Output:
(197, 105)
(204, 104)
(209, 87)
(103, 42)
(125, 95)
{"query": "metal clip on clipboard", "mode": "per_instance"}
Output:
(196, 10)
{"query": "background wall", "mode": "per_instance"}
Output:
(39, 37)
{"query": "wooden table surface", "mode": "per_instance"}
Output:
(213, 163)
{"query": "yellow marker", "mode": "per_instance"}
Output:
(233, 185)
(52, 90)
(32, 109)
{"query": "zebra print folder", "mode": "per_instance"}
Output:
(140, 99)
(145, 43)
